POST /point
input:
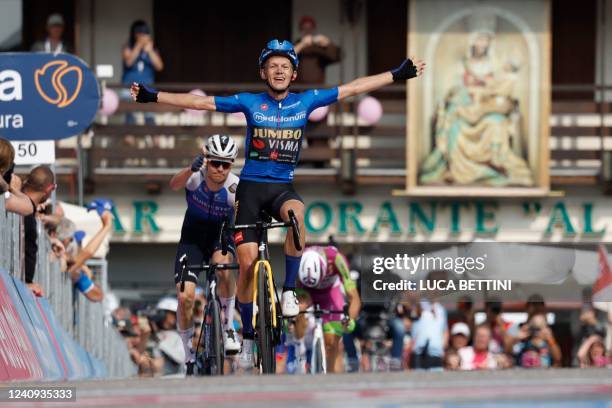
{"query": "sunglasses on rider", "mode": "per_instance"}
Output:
(217, 163)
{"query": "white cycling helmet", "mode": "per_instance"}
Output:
(312, 268)
(167, 303)
(221, 147)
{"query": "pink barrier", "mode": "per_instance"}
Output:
(18, 360)
(32, 345)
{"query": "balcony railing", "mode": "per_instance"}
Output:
(339, 149)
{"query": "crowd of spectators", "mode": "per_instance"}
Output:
(436, 342)
(30, 199)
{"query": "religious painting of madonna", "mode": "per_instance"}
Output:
(478, 118)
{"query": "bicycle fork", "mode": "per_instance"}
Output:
(318, 335)
(270, 284)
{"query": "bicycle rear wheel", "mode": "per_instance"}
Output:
(265, 335)
(214, 353)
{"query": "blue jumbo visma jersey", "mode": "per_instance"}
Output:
(275, 130)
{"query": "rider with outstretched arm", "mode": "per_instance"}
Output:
(276, 120)
(210, 188)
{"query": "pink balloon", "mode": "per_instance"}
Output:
(318, 114)
(237, 115)
(369, 110)
(196, 112)
(110, 102)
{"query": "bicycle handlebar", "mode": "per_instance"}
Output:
(318, 312)
(262, 226)
(322, 311)
(201, 267)
(295, 229)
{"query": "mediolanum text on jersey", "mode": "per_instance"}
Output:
(277, 133)
(260, 117)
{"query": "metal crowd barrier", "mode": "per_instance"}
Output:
(84, 320)
(11, 240)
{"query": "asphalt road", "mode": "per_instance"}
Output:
(565, 388)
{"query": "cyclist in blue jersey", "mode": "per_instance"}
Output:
(210, 193)
(276, 121)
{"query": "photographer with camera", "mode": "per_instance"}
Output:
(537, 347)
(166, 345)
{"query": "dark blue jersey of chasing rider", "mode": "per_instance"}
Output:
(207, 209)
(275, 130)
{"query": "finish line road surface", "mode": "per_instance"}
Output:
(565, 388)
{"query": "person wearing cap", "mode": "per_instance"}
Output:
(168, 353)
(460, 336)
(276, 124)
(210, 191)
(54, 43)
(316, 52)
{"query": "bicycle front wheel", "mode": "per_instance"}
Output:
(265, 335)
(214, 354)
(317, 358)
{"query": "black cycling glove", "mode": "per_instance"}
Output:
(146, 94)
(197, 163)
(405, 71)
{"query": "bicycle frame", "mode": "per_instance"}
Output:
(268, 335)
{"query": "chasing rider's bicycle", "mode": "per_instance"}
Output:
(210, 353)
(318, 359)
(267, 315)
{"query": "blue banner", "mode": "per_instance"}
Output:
(45, 96)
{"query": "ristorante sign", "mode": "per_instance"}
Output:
(378, 219)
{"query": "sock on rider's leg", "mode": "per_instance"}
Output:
(228, 305)
(292, 268)
(246, 314)
(187, 338)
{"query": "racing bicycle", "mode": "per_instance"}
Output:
(210, 353)
(318, 359)
(267, 315)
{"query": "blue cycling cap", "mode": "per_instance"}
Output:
(283, 48)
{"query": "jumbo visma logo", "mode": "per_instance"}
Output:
(58, 83)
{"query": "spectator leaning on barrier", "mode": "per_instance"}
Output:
(54, 43)
(38, 187)
(76, 256)
(10, 184)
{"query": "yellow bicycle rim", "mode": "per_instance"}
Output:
(266, 265)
